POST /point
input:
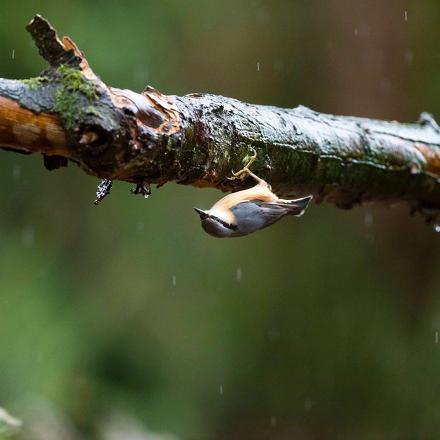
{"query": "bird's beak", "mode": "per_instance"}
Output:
(203, 214)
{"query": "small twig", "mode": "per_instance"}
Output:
(49, 46)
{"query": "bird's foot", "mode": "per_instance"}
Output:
(246, 171)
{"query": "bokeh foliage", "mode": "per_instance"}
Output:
(321, 327)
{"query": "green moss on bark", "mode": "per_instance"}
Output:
(35, 83)
(74, 96)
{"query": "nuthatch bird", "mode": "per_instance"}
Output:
(250, 210)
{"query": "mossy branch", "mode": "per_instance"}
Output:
(69, 114)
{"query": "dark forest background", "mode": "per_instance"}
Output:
(124, 320)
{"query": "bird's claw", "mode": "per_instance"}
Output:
(245, 169)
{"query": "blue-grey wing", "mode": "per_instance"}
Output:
(293, 207)
(254, 215)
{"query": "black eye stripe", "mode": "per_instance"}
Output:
(225, 224)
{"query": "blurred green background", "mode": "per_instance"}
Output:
(126, 321)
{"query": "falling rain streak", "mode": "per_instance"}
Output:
(239, 274)
(28, 236)
(16, 172)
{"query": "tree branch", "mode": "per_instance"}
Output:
(148, 137)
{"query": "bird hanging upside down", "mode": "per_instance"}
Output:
(250, 210)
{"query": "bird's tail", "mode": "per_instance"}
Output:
(297, 206)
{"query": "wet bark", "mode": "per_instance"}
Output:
(68, 113)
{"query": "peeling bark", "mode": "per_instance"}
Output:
(199, 139)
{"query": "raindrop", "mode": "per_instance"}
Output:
(406, 15)
(273, 421)
(308, 404)
(273, 335)
(239, 274)
(363, 31)
(436, 337)
(221, 390)
(28, 236)
(174, 280)
(278, 66)
(13, 54)
(368, 219)
(16, 172)
(262, 15)
(258, 66)
(356, 32)
(408, 56)
(385, 85)
(437, 228)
